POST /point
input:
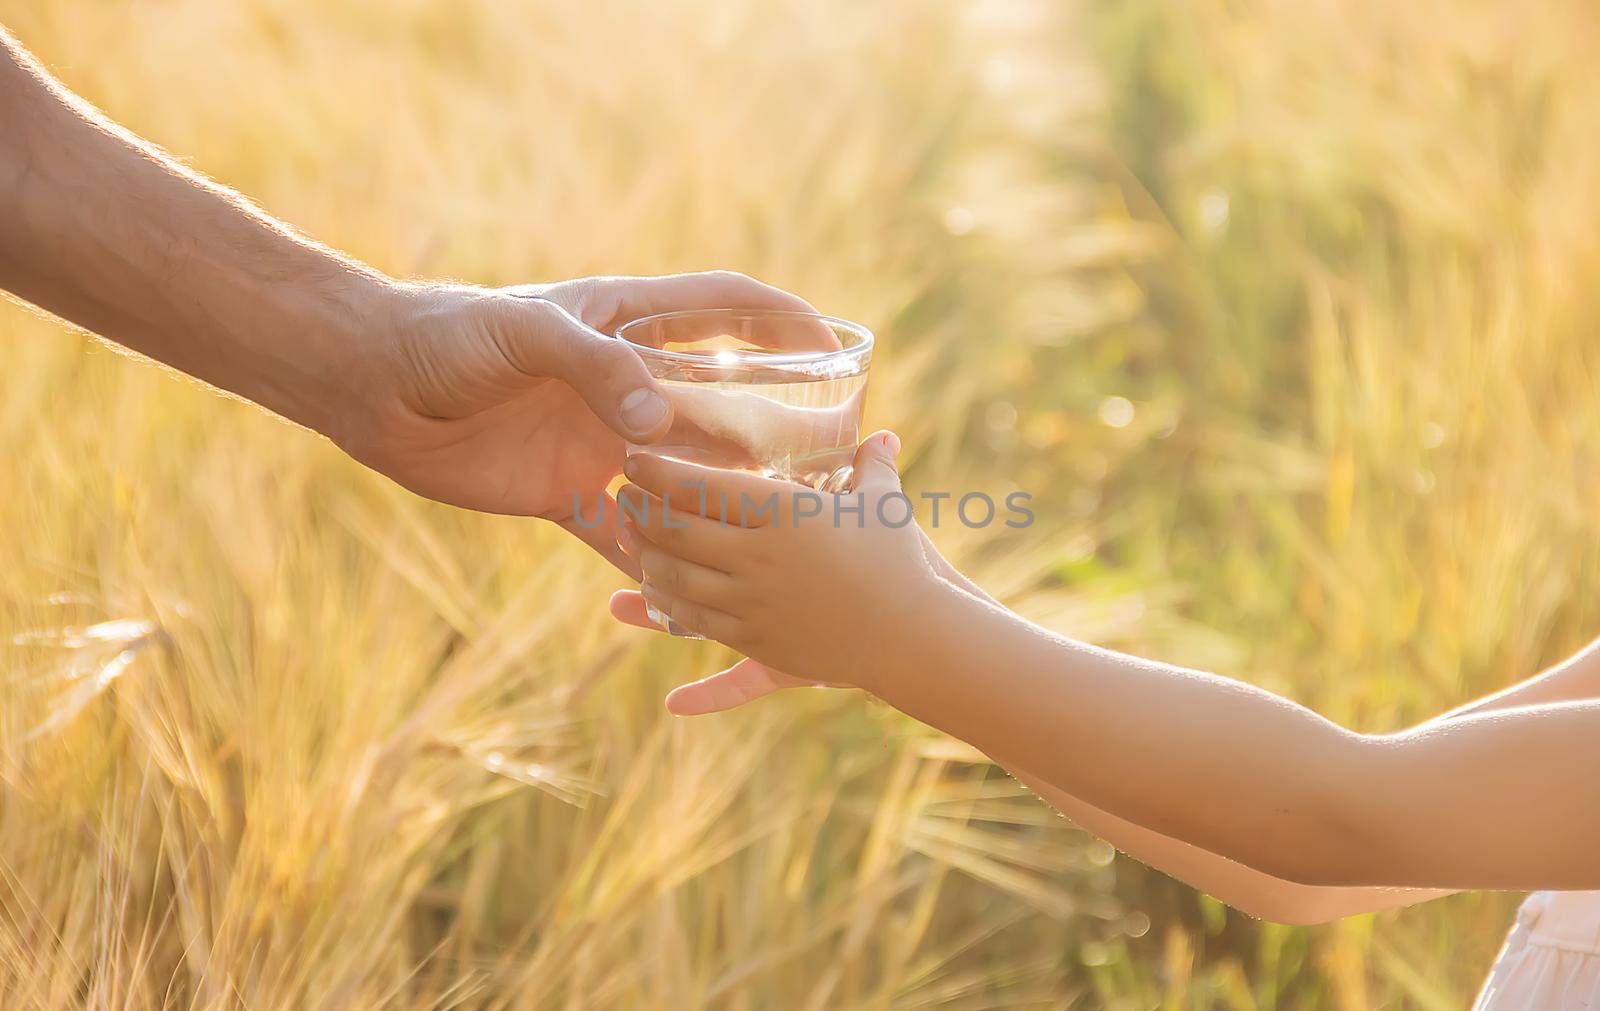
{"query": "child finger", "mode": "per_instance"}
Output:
(875, 470)
(706, 490)
(646, 508)
(703, 541)
(695, 617)
(687, 580)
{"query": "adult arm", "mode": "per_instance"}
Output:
(508, 400)
(100, 228)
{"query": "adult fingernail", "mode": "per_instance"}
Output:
(630, 469)
(625, 540)
(892, 441)
(643, 410)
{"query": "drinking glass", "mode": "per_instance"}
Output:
(771, 392)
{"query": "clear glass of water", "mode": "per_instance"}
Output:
(770, 392)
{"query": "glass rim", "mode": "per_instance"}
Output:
(857, 351)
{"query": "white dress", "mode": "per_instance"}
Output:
(1551, 961)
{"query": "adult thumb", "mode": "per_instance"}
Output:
(545, 339)
(874, 466)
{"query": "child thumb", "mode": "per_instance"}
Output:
(874, 464)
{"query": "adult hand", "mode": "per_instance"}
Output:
(516, 400)
(510, 400)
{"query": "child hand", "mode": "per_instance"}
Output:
(729, 688)
(823, 587)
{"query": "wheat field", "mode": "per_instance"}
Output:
(1283, 310)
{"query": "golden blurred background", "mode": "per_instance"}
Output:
(1283, 310)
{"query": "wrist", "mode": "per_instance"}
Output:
(338, 371)
(918, 634)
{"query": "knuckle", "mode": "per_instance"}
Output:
(577, 294)
(591, 355)
(725, 592)
(528, 310)
(576, 350)
(522, 328)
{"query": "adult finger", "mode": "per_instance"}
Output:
(636, 297)
(630, 608)
(706, 289)
(539, 338)
(745, 681)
